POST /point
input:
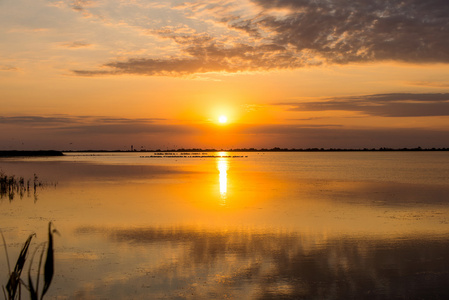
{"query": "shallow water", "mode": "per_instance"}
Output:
(333, 225)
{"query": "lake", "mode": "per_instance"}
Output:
(260, 225)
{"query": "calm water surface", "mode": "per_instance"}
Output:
(351, 225)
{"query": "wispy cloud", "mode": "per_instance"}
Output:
(96, 126)
(261, 35)
(440, 84)
(127, 128)
(344, 137)
(74, 122)
(80, 5)
(76, 44)
(39, 120)
(204, 59)
(8, 68)
(385, 105)
(251, 107)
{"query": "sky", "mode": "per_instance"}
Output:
(108, 74)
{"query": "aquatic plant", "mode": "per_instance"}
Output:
(13, 290)
(10, 186)
(13, 287)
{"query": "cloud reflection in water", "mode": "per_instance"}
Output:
(271, 264)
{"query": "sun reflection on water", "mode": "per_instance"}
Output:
(222, 165)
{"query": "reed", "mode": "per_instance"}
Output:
(10, 186)
(13, 289)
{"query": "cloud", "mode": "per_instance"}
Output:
(126, 129)
(300, 136)
(38, 120)
(307, 119)
(385, 105)
(204, 57)
(79, 5)
(93, 126)
(261, 35)
(76, 44)
(87, 132)
(430, 84)
(251, 107)
(8, 68)
(68, 121)
(365, 30)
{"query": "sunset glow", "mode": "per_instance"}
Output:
(225, 149)
(223, 119)
(110, 74)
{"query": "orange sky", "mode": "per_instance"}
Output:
(90, 74)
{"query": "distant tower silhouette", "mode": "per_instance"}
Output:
(132, 148)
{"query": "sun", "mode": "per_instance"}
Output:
(223, 119)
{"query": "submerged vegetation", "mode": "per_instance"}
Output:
(13, 289)
(10, 186)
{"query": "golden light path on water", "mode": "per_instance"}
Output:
(222, 165)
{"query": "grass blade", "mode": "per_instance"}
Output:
(49, 261)
(7, 261)
(14, 278)
(6, 252)
(34, 291)
(4, 292)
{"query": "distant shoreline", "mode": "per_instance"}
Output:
(265, 150)
(37, 153)
(18, 153)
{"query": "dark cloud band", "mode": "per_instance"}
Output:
(385, 105)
